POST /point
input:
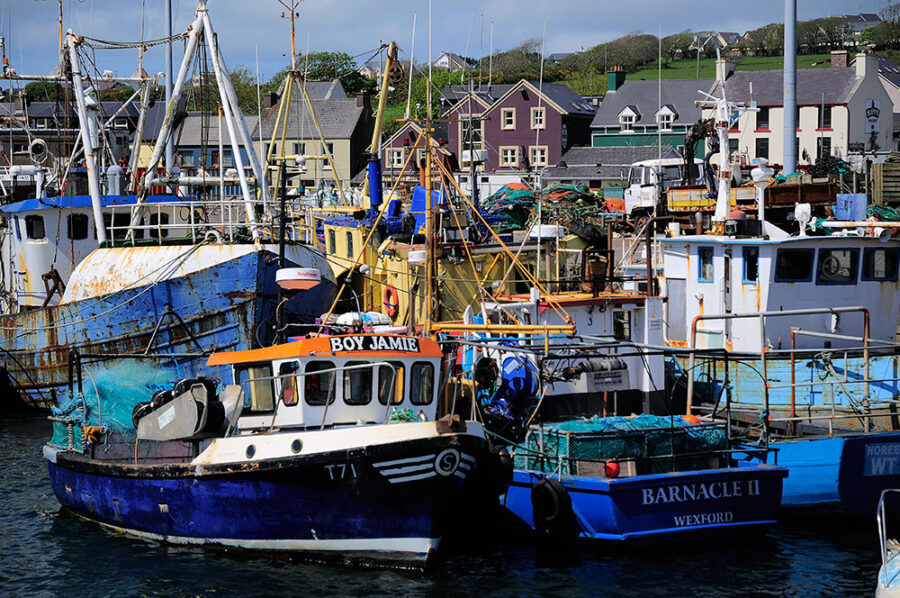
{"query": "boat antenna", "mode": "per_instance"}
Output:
(537, 139)
(462, 76)
(412, 55)
(491, 56)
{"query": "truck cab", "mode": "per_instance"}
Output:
(648, 180)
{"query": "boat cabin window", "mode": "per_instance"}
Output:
(350, 253)
(837, 266)
(358, 384)
(288, 382)
(880, 264)
(16, 226)
(705, 271)
(318, 385)
(793, 265)
(332, 244)
(160, 221)
(256, 381)
(34, 227)
(421, 383)
(751, 264)
(390, 383)
(622, 325)
(78, 226)
(120, 222)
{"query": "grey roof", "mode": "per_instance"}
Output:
(730, 37)
(378, 64)
(456, 61)
(566, 98)
(861, 21)
(199, 129)
(318, 90)
(557, 56)
(768, 86)
(888, 69)
(606, 163)
(644, 95)
(451, 94)
(337, 117)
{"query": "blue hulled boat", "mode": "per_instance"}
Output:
(326, 448)
(638, 480)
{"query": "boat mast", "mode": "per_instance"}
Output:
(430, 300)
(87, 140)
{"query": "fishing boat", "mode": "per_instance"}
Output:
(639, 479)
(171, 275)
(798, 333)
(889, 572)
(327, 448)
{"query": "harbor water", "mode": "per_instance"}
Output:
(48, 552)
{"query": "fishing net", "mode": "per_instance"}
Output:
(110, 394)
(571, 447)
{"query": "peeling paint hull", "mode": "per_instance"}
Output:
(229, 304)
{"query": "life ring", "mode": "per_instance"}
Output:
(391, 301)
(552, 511)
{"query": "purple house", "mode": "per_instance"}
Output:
(523, 129)
(398, 147)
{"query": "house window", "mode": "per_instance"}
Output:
(538, 116)
(120, 123)
(825, 120)
(793, 265)
(299, 149)
(227, 159)
(34, 227)
(837, 266)
(78, 226)
(318, 384)
(509, 156)
(705, 272)
(390, 382)
(421, 383)
(823, 147)
(471, 134)
(627, 123)
(508, 119)
(880, 264)
(538, 155)
(395, 158)
(762, 120)
(184, 158)
(358, 383)
(732, 145)
(751, 265)
(326, 165)
(762, 147)
(664, 121)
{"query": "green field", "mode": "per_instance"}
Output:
(687, 69)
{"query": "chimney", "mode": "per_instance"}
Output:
(724, 69)
(839, 59)
(271, 99)
(615, 78)
(866, 65)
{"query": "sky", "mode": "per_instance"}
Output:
(247, 28)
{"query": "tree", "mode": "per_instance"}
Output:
(678, 46)
(45, 91)
(884, 36)
(324, 66)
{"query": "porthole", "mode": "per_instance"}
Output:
(296, 446)
(251, 450)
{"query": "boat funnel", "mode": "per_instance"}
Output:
(374, 182)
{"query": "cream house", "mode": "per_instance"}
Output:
(842, 110)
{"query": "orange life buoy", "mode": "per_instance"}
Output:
(391, 302)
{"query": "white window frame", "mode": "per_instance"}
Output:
(626, 123)
(326, 165)
(396, 157)
(501, 152)
(531, 155)
(511, 114)
(535, 111)
(664, 121)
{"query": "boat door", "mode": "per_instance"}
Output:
(726, 292)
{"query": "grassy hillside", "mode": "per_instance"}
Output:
(687, 69)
